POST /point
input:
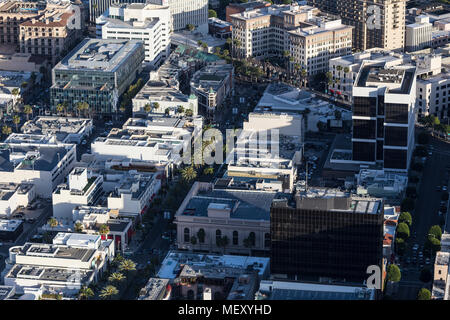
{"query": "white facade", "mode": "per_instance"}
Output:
(418, 34)
(43, 164)
(433, 96)
(143, 22)
(186, 12)
(14, 195)
(73, 260)
(132, 193)
(170, 136)
(83, 189)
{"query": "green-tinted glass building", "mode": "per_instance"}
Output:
(97, 71)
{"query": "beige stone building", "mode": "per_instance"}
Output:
(309, 37)
(377, 23)
(46, 30)
(211, 212)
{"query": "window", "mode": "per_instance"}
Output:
(201, 235)
(396, 113)
(364, 129)
(396, 136)
(187, 236)
(365, 106)
(218, 236)
(364, 151)
(235, 238)
(267, 240)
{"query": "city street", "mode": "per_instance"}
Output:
(426, 214)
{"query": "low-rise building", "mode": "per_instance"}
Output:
(83, 188)
(290, 290)
(36, 159)
(211, 85)
(13, 196)
(156, 289)
(63, 267)
(15, 86)
(283, 98)
(219, 28)
(65, 129)
(381, 183)
(391, 215)
(164, 97)
(209, 213)
(120, 229)
(210, 277)
(10, 230)
(156, 138)
(441, 283)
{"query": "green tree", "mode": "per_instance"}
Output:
(188, 173)
(127, 265)
(109, 292)
(190, 27)
(156, 105)
(189, 113)
(116, 277)
(6, 130)
(52, 222)
(85, 293)
(400, 245)
(212, 13)
(436, 231)
(403, 230)
(393, 273)
(147, 108)
(405, 217)
(222, 242)
(16, 121)
(180, 109)
(103, 229)
(208, 171)
(193, 240)
(78, 227)
(424, 294)
(27, 109)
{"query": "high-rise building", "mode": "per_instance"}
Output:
(309, 37)
(186, 12)
(383, 115)
(377, 23)
(148, 23)
(325, 233)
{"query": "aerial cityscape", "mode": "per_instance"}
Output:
(251, 150)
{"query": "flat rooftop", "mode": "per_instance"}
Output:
(248, 205)
(31, 157)
(99, 55)
(175, 260)
(21, 271)
(398, 79)
(61, 127)
(9, 225)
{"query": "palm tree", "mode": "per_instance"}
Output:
(52, 222)
(85, 293)
(104, 229)
(156, 105)
(108, 292)
(15, 92)
(147, 108)
(78, 227)
(16, 121)
(6, 130)
(304, 75)
(127, 266)
(189, 173)
(59, 108)
(27, 109)
(180, 109)
(208, 171)
(116, 277)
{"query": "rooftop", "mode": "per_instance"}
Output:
(61, 127)
(175, 261)
(99, 55)
(154, 288)
(9, 225)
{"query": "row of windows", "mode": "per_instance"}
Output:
(250, 240)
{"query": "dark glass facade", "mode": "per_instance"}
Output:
(364, 151)
(364, 129)
(395, 159)
(365, 106)
(396, 136)
(319, 243)
(396, 113)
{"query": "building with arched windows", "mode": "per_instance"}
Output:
(225, 217)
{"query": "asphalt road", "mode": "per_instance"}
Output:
(426, 215)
